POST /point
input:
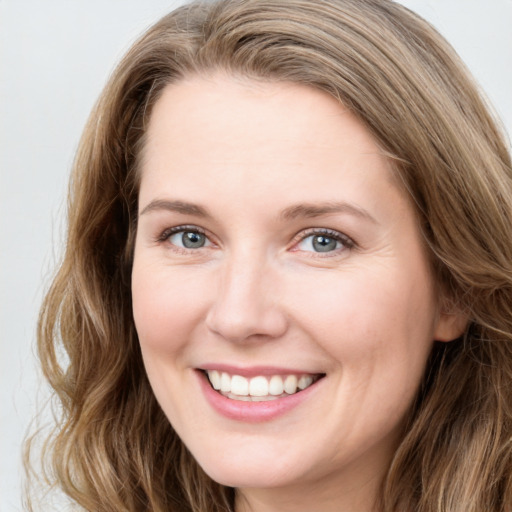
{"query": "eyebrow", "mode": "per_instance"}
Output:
(305, 210)
(175, 206)
(311, 210)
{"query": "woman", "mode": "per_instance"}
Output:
(287, 278)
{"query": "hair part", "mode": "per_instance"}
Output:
(113, 449)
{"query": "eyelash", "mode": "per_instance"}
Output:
(346, 242)
(178, 229)
(167, 233)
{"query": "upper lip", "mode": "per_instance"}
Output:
(255, 371)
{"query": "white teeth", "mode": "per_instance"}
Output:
(214, 379)
(290, 384)
(239, 385)
(258, 388)
(305, 381)
(276, 386)
(225, 382)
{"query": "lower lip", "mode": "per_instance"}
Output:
(253, 412)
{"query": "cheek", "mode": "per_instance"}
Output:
(379, 333)
(167, 305)
(166, 308)
(380, 320)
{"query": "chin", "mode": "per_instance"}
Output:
(246, 473)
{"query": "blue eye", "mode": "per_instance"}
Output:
(324, 242)
(188, 239)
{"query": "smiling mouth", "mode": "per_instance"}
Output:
(260, 388)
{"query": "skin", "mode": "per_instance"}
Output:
(365, 313)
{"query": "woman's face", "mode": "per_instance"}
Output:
(275, 252)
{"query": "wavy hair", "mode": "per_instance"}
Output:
(112, 448)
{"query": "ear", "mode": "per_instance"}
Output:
(451, 324)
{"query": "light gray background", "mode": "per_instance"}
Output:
(55, 56)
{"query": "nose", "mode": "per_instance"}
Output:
(246, 306)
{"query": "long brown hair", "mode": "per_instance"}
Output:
(112, 448)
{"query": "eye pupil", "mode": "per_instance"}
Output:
(323, 243)
(193, 240)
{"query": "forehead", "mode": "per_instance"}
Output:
(219, 104)
(224, 133)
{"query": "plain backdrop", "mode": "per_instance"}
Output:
(55, 56)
